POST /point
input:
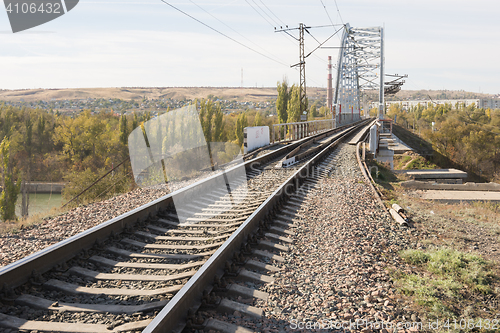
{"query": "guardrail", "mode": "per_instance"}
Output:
(296, 131)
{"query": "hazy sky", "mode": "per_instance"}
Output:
(450, 44)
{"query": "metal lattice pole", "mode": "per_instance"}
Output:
(302, 63)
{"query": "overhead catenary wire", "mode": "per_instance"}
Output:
(329, 17)
(327, 14)
(223, 34)
(232, 29)
(260, 14)
(274, 25)
(320, 44)
(272, 12)
(338, 11)
(272, 19)
(233, 39)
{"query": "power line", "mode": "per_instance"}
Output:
(338, 11)
(232, 28)
(221, 33)
(326, 12)
(329, 17)
(320, 44)
(260, 14)
(272, 12)
(264, 12)
(272, 25)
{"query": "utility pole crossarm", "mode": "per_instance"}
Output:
(302, 59)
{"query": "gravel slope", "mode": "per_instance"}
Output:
(15, 246)
(337, 270)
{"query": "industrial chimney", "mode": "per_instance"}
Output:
(329, 93)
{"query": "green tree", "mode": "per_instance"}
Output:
(10, 191)
(135, 122)
(42, 138)
(323, 111)
(87, 141)
(123, 130)
(218, 134)
(241, 123)
(313, 112)
(282, 101)
(206, 114)
(258, 120)
(28, 142)
(294, 105)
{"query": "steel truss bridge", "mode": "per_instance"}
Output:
(360, 67)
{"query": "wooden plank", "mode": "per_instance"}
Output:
(285, 224)
(177, 231)
(202, 225)
(245, 292)
(247, 275)
(179, 238)
(283, 231)
(267, 254)
(170, 246)
(46, 326)
(278, 237)
(261, 266)
(143, 265)
(196, 219)
(173, 256)
(228, 306)
(185, 232)
(127, 277)
(76, 289)
(45, 304)
(223, 327)
(273, 246)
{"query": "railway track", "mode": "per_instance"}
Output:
(147, 270)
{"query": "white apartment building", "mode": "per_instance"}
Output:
(492, 103)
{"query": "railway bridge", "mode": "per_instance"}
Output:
(288, 237)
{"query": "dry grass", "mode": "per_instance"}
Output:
(21, 223)
(178, 93)
(455, 257)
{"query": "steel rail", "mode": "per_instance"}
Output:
(173, 316)
(19, 272)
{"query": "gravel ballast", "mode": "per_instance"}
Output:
(337, 271)
(31, 239)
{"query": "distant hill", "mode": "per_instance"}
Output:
(189, 93)
(178, 93)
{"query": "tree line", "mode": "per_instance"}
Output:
(468, 136)
(40, 145)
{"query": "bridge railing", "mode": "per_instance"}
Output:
(299, 130)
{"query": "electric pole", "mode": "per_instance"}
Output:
(302, 59)
(302, 66)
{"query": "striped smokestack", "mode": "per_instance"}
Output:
(329, 93)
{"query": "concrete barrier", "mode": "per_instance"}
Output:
(420, 185)
(40, 187)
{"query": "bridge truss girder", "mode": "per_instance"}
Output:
(360, 67)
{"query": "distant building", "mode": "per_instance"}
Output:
(492, 103)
